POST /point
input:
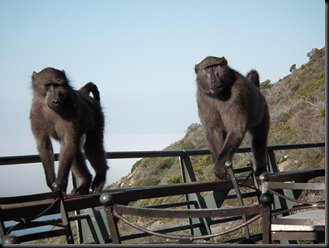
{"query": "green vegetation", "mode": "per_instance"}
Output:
(266, 84)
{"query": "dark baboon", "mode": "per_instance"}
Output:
(229, 105)
(254, 77)
(67, 115)
(90, 87)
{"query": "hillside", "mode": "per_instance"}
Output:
(297, 110)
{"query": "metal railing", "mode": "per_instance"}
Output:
(25, 159)
(186, 171)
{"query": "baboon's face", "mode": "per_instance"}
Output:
(211, 75)
(53, 86)
(56, 95)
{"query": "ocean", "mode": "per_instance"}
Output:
(31, 230)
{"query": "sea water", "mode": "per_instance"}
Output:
(31, 230)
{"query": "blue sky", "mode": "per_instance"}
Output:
(141, 54)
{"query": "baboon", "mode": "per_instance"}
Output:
(69, 116)
(90, 87)
(253, 76)
(229, 105)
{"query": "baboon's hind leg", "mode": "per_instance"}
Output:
(95, 153)
(81, 172)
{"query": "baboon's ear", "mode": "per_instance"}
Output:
(34, 75)
(196, 68)
(224, 61)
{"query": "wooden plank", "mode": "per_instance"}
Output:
(303, 221)
(130, 195)
(23, 209)
(298, 176)
(187, 213)
(299, 186)
(318, 236)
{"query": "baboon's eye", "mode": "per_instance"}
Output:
(50, 85)
(47, 86)
(208, 69)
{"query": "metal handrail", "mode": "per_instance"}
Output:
(183, 154)
(26, 159)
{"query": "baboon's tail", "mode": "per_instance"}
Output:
(90, 87)
(253, 76)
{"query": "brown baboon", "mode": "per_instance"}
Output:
(229, 105)
(67, 115)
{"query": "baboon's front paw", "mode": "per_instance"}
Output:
(259, 171)
(98, 184)
(221, 174)
(57, 187)
(81, 190)
(98, 189)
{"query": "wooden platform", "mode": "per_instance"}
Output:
(312, 220)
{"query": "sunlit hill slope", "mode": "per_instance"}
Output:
(297, 110)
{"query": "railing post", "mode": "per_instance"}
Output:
(187, 177)
(273, 165)
(266, 200)
(278, 201)
(187, 171)
(106, 201)
(228, 165)
(65, 218)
